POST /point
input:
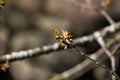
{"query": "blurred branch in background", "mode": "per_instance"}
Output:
(55, 47)
(107, 17)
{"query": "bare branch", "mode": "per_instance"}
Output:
(107, 17)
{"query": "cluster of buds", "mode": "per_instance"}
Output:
(65, 38)
(4, 66)
(2, 3)
(105, 3)
(90, 5)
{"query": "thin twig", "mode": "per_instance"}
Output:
(114, 75)
(107, 17)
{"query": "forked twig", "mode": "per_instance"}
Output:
(100, 40)
(104, 47)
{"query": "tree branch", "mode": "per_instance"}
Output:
(107, 17)
(13, 56)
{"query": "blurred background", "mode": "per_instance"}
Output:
(27, 24)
